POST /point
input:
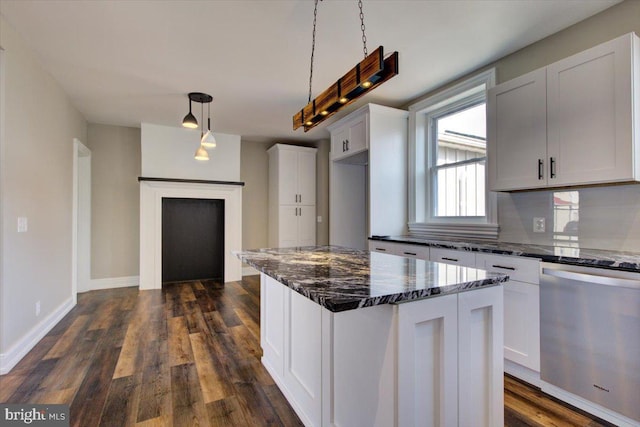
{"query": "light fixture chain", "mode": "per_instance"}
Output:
(364, 36)
(313, 46)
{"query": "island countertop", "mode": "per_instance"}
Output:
(340, 279)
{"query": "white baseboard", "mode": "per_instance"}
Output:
(249, 271)
(112, 282)
(588, 406)
(521, 372)
(11, 358)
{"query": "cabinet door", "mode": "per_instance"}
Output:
(339, 142)
(288, 226)
(272, 302)
(288, 177)
(303, 351)
(480, 358)
(306, 172)
(306, 226)
(517, 133)
(522, 324)
(590, 124)
(357, 141)
(427, 362)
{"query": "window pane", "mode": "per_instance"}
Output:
(461, 135)
(461, 190)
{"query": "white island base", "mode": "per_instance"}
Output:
(430, 362)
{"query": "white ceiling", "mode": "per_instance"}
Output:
(127, 62)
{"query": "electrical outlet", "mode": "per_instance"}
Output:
(539, 225)
(37, 308)
(319, 218)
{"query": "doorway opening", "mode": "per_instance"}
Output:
(81, 212)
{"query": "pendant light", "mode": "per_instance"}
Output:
(201, 154)
(208, 140)
(368, 74)
(189, 120)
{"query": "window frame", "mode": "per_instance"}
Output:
(422, 221)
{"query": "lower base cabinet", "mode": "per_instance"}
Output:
(432, 362)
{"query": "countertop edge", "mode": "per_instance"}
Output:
(556, 259)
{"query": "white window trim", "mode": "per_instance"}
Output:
(419, 192)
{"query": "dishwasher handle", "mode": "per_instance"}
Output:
(593, 278)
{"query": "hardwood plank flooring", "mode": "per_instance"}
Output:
(188, 355)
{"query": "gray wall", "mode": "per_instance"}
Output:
(609, 216)
(36, 163)
(115, 200)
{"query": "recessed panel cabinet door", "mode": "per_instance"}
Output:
(517, 133)
(288, 224)
(590, 125)
(288, 177)
(306, 178)
(306, 226)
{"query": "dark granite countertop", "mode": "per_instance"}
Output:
(560, 253)
(342, 279)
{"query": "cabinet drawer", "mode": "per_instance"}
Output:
(517, 268)
(401, 249)
(452, 256)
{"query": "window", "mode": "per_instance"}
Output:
(448, 163)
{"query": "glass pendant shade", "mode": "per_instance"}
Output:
(208, 140)
(201, 154)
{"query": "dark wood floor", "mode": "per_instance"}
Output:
(188, 355)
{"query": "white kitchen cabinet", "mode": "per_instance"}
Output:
(452, 256)
(402, 249)
(292, 196)
(521, 313)
(350, 138)
(430, 362)
(574, 122)
(368, 185)
(517, 132)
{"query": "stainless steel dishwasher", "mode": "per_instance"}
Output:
(590, 334)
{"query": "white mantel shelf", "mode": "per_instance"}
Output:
(190, 181)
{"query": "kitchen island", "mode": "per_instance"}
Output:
(354, 338)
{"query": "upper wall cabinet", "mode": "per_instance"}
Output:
(350, 139)
(574, 122)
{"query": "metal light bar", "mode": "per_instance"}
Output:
(364, 77)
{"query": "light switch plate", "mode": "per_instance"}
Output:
(319, 218)
(539, 225)
(23, 224)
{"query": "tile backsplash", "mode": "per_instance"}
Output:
(598, 217)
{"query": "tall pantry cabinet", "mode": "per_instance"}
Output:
(292, 196)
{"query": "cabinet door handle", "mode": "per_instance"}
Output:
(300, 211)
(347, 145)
(296, 211)
(552, 167)
(410, 253)
(540, 172)
(344, 146)
(300, 198)
(449, 259)
(503, 267)
(381, 249)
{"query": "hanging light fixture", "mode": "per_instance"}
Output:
(368, 74)
(208, 140)
(189, 120)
